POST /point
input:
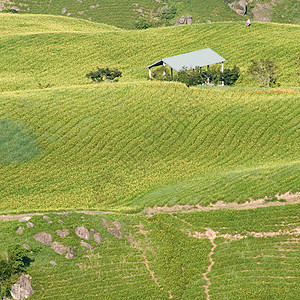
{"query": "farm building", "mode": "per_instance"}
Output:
(191, 60)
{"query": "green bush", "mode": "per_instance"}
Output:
(265, 71)
(104, 74)
(162, 73)
(16, 262)
(213, 74)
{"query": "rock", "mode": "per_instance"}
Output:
(22, 289)
(53, 263)
(64, 213)
(70, 253)
(16, 8)
(63, 11)
(208, 21)
(105, 223)
(59, 248)
(26, 246)
(50, 222)
(189, 20)
(115, 232)
(97, 238)
(30, 225)
(117, 224)
(240, 7)
(68, 14)
(82, 232)
(60, 221)
(24, 219)
(46, 217)
(87, 245)
(19, 230)
(182, 20)
(63, 234)
(43, 237)
(92, 231)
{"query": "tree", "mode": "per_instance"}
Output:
(230, 76)
(162, 73)
(104, 74)
(265, 71)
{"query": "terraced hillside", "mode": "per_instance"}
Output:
(39, 51)
(137, 143)
(137, 149)
(222, 254)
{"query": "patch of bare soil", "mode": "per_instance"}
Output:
(211, 235)
(251, 204)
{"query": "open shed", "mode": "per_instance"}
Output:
(191, 60)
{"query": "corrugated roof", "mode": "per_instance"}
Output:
(190, 60)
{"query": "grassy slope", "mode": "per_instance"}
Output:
(123, 13)
(113, 146)
(250, 268)
(109, 146)
(28, 58)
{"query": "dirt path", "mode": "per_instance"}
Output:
(288, 198)
(211, 235)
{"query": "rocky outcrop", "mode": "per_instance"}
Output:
(22, 289)
(43, 237)
(82, 232)
(184, 20)
(240, 7)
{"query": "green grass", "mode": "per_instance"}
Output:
(60, 57)
(252, 267)
(125, 14)
(110, 146)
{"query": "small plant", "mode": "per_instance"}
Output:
(104, 74)
(264, 71)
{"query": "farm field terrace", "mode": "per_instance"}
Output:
(127, 146)
(38, 51)
(226, 254)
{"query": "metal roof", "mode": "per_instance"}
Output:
(190, 60)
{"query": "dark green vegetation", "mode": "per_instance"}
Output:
(104, 74)
(255, 257)
(16, 261)
(17, 145)
(212, 75)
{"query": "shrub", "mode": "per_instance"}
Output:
(104, 74)
(162, 73)
(213, 74)
(264, 71)
(230, 76)
(191, 76)
(16, 262)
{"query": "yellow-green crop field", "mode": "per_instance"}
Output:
(69, 144)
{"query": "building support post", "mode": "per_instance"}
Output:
(164, 72)
(149, 74)
(222, 70)
(171, 74)
(207, 77)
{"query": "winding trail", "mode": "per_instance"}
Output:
(211, 235)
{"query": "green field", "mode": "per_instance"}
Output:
(127, 13)
(135, 145)
(256, 256)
